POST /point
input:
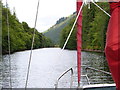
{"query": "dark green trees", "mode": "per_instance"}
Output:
(93, 29)
(64, 33)
(20, 34)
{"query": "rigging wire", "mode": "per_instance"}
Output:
(77, 19)
(34, 38)
(101, 9)
(29, 64)
(107, 15)
(76, 22)
(9, 58)
(72, 27)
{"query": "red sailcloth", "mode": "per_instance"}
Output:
(79, 40)
(112, 48)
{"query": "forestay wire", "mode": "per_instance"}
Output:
(9, 58)
(29, 64)
(101, 9)
(77, 19)
(72, 27)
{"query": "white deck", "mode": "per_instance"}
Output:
(99, 85)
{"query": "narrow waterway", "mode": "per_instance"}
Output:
(48, 64)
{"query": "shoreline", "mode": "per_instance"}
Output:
(92, 50)
(88, 50)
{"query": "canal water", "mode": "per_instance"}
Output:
(48, 64)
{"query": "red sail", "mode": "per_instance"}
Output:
(79, 40)
(112, 49)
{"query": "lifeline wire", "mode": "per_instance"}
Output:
(28, 70)
(10, 83)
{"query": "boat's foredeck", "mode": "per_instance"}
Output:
(100, 87)
(90, 77)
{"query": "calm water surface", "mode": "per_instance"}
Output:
(48, 64)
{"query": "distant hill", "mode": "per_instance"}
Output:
(54, 32)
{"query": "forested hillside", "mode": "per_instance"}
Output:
(20, 34)
(64, 34)
(93, 30)
(54, 32)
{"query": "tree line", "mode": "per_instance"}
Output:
(20, 34)
(94, 27)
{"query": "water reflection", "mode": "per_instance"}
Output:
(97, 61)
(47, 64)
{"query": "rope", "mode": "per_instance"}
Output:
(28, 70)
(101, 9)
(9, 58)
(72, 27)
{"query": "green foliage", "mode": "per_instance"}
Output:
(20, 34)
(61, 20)
(0, 30)
(54, 32)
(93, 29)
(64, 34)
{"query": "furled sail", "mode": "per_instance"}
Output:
(79, 39)
(112, 49)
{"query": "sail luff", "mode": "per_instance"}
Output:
(79, 40)
(112, 48)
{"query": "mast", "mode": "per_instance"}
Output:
(79, 40)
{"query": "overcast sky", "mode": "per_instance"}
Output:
(49, 11)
